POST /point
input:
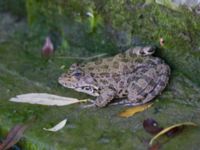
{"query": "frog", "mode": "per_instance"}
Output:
(131, 78)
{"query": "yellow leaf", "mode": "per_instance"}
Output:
(170, 128)
(133, 110)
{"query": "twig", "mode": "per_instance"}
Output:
(83, 58)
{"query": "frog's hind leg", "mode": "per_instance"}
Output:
(153, 89)
(163, 78)
(125, 102)
(105, 97)
(139, 89)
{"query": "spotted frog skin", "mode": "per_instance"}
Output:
(135, 76)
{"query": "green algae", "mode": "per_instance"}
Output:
(23, 70)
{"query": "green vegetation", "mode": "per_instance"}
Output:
(87, 28)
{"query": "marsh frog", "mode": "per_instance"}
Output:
(135, 77)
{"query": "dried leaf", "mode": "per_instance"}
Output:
(155, 147)
(45, 99)
(48, 47)
(174, 131)
(151, 126)
(164, 131)
(57, 127)
(14, 135)
(133, 110)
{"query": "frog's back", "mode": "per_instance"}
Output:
(112, 65)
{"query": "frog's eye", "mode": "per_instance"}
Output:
(77, 74)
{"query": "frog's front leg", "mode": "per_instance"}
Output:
(106, 96)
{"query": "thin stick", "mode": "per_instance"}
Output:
(82, 58)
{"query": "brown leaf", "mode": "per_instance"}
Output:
(174, 131)
(14, 135)
(48, 47)
(151, 126)
(133, 110)
(155, 147)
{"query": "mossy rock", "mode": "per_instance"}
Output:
(118, 25)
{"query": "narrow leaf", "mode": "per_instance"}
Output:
(14, 135)
(44, 99)
(164, 131)
(57, 127)
(133, 110)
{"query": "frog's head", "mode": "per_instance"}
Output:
(144, 51)
(79, 80)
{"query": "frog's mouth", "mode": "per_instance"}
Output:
(88, 89)
(91, 90)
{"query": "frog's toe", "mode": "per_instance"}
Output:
(91, 101)
(89, 105)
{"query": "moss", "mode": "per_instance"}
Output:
(114, 27)
(15, 7)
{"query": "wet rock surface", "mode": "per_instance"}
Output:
(23, 70)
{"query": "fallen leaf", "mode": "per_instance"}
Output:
(151, 126)
(155, 147)
(174, 131)
(45, 99)
(164, 131)
(133, 110)
(14, 135)
(57, 127)
(48, 47)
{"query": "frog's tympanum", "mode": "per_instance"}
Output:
(135, 76)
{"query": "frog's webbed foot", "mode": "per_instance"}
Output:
(105, 97)
(125, 102)
(89, 105)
